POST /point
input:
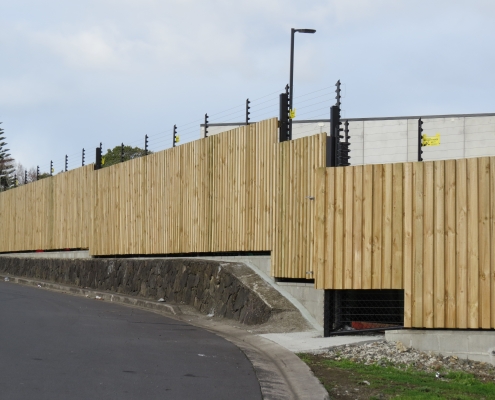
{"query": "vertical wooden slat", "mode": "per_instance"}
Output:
(348, 223)
(472, 242)
(439, 245)
(407, 259)
(357, 230)
(367, 226)
(492, 240)
(330, 229)
(428, 246)
(461, 243)
(376, 273)
(387, 213)
(450, 244)
(339, 230)
(417, 296)
(397, 226)
(319, 230)
(484, 242)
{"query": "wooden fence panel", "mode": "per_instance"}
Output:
(50, 214)
(427, 228)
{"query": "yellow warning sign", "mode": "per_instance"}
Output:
(431, 140)
(292, 113)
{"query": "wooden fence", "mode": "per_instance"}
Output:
(53, 213)
(293, 241)
(211, 195)
(427, 228)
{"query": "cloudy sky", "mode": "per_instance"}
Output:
(73, 74)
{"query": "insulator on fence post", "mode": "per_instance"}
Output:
(145, 145)
(337, 91)
(247, 111)
(420, 140)
(206, 125)
(83, 157)
(66, 163)
(288, 93)
(122, 153)
(176, 137)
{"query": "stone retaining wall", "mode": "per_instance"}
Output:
(209, 286)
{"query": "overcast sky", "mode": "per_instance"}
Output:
(74, 74)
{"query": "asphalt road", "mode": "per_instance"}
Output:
(56, 346)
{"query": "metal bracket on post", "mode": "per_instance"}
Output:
(206, 125)
(420, 140)
(176, 138)
(247, 111)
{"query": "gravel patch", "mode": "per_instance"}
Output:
(400, 356)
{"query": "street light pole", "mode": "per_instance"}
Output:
(291, 79)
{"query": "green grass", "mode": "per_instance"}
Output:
(407, 383)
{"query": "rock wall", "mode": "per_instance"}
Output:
(209, 286)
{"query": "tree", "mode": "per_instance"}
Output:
(114, 156)
(6, 164)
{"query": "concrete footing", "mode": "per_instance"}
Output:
(467, 344)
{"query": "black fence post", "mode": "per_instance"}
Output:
(98, 158)
(37, 172)
(83, 157)
(122, 153)
(284, 134)
(420, 140)
(247, 111)
(25, 177)
(176, 138)
(66, 163)
(51, 168)
(206, 125)
(15, 180)
(145, 145)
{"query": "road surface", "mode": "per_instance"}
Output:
(57, 346)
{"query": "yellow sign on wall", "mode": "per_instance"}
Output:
(431, 140)
(292, 113)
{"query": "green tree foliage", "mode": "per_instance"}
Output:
(114, 156)
(6, 164)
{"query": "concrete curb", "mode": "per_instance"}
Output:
(281, 374)
(114, 298)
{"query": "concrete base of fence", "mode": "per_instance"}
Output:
(72, 254)
(229, 290)
(466, 344)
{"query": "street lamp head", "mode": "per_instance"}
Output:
(305, 30)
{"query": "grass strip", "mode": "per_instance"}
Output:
(399, 382)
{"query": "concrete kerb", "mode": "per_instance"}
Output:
(281, 374)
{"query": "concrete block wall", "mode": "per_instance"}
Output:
(395, 139)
